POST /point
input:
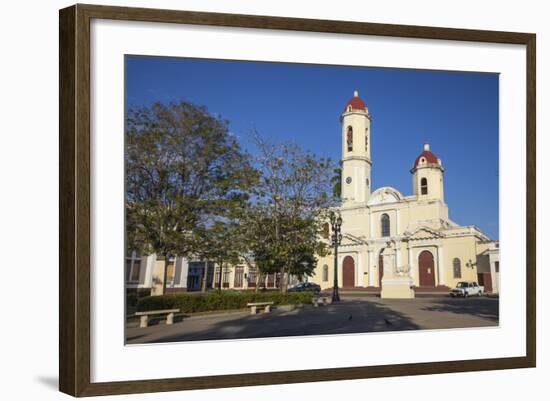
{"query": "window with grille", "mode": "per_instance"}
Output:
(239, 275)
(170, 272)
(325, 273)
(133, 269)
(226, 275)
(457, 269)
(252, 277)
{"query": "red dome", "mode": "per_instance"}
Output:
(426, 154)
(356, 103)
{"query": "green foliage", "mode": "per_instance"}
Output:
(132, 295)
(336, 181)
(216, 300)
(183, 168)
(192, 191)
(291, 198)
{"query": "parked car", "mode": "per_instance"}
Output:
(316, 288)
(466, 289)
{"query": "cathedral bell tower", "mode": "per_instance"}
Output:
(427, 175)
(356, 162)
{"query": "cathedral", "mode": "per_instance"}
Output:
(391, 239)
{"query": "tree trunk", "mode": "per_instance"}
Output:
(221, 274)
(165, 274)
(257, 280)
(204, 277)
(283, 281)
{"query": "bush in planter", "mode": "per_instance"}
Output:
(215, 300)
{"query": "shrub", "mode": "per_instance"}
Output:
(132, 295)
(215, 300)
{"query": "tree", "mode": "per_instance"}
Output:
(221, 245)
(336, 181)
(290, 200)
(183, 170)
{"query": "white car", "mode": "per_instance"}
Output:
(466, 289)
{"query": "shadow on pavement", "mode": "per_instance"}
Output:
(480, 307)
(347, 317)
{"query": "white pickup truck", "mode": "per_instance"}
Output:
(466, 289)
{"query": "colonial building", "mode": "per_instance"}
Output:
(388, 233)
(146, 274)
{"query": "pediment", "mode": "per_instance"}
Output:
(424, 233)
(385, 195)
(351, 240)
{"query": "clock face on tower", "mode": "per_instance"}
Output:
(348, 180)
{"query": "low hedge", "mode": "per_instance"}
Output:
(133, 294)
(215, 300)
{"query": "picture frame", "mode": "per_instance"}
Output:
(75, 204)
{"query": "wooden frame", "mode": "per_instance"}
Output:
(74, 204)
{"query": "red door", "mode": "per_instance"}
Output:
(348, 272)
(380, 269)
(484, 279)
(426, 270)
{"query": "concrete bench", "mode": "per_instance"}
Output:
(254, 305)
(144, 316)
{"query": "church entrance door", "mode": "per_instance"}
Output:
(348, 272)
(426, 271)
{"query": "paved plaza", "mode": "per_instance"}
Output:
(351, 315)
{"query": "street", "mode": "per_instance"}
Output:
(351, 315)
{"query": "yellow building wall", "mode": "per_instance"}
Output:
(463, 248)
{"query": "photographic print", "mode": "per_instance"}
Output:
(227, 188)
(281, 199)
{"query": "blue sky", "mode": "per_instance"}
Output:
(456, 112)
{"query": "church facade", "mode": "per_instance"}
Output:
(386, 233)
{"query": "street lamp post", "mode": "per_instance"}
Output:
(336, 239)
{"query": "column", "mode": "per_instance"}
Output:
(246, 272)
(151, 271)
(440, 270)
(397, 227)
(493, 270)
(129, 273)
(371, 231)
(398, 256)
(371, 268)
(359, 271)
(411, 264)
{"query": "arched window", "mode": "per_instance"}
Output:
(366, 139)
(385, 225)
(325, 273)
(424, 186)
(457, 270)
(349, 138)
